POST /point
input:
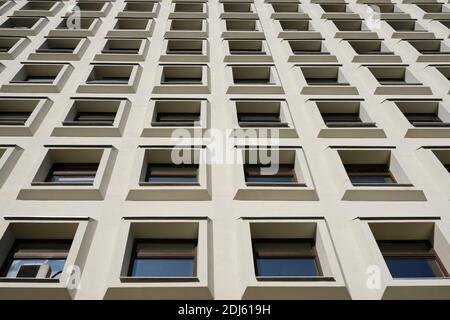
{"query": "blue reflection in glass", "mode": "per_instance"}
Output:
(163, 268)
(286, 267)
(271, 179)
(56, 265)
(368, 180)
(411, 267)
(171, 179)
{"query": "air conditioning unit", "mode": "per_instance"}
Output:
(38, 271)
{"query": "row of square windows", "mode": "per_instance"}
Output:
(337, 118)
(251, 50)
(287, 27)
(241, 79)
(298, 252)
(182, 173)
(184, 9)
(199, 9)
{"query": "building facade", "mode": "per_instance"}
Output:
(349, 100)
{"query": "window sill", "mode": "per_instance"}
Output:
(407, 89)
(169, 184)
(276, 184)
(383, 192)
(62, 184)
(428, 132)
(351, 132)
(383, 185)
(351, 124)
(294, 278)
(377, 57)
(299, 34)
(318, 57)
(276, 192)
(29, 280)
(287, 131)
(243, 34)
(335, 89)
(249, 57)
(129, 279)
(243, 88)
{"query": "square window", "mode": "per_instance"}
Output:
(376, 175)
(132, 28)
(344, 119)
(423, 118)
(39, 77)
(187, 28)
(319, 79)
(11, 47)
(39, 253)
(76, 173)
(61, 49)
(139, 9)
(233, 28)
(123, 50)
(105, 78)
(87, 28)
(185, 47)
(20, 116)
(167, 115)
(261, 79)
(395, 80)
(412, 256)
(294, 257)
(153, 254)
(262, 115)
(273, 174)
(182, 78)
(92, 9)
(94, 117)
(170, 173)
(22, 26)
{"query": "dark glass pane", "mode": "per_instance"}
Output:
(12, 118)
(259, 117)
(163, 268)
(422, 117)
(177, 116)
(40, 79)
(370, 179)
(341, 117)
(95, 116)
(323, 81)
(447, 166)
(286, 267)
(182, 80)
(412, 267)
(400, 246)
(364, 168)
(171, 179)
(172, 173)
(271, 179)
